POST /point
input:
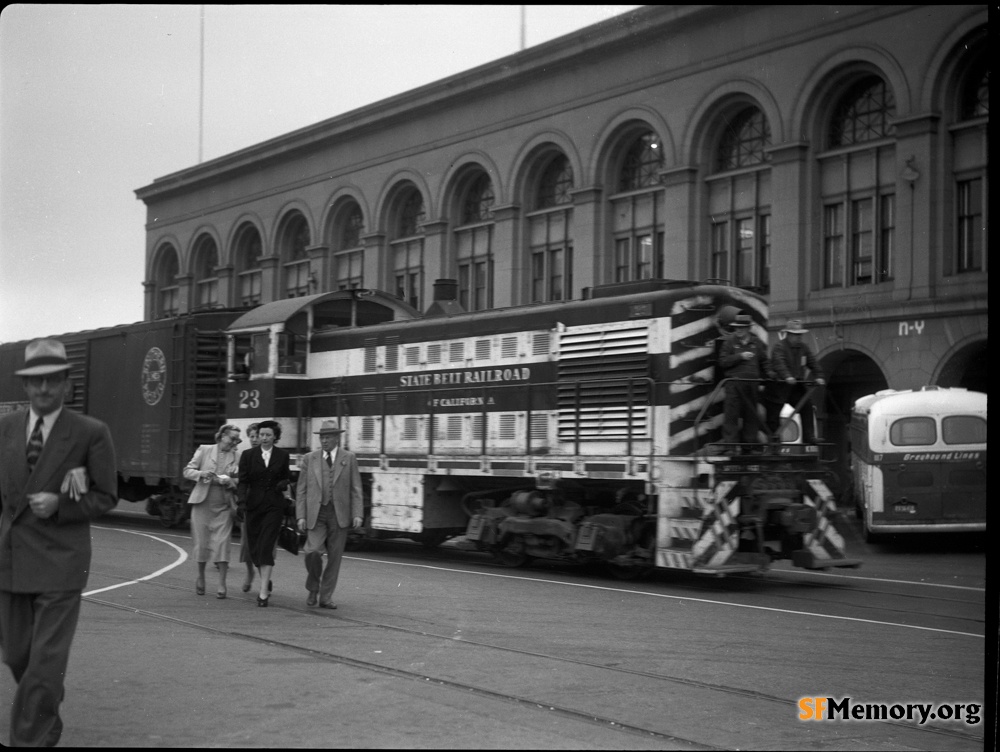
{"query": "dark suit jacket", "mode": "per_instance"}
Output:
(260, 484)
(43, 556)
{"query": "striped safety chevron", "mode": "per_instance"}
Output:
(720, 532)
(692, 362)
(823, 541)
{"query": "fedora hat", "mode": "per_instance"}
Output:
(794, 326)
(44, 356)
(742, 320)
(329, 426)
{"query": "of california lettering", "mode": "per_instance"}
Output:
(460, 378)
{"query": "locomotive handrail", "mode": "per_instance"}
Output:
(718, 387)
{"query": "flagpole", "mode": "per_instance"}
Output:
(524, 11)
(201, 89)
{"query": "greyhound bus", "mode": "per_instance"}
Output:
(918, 460)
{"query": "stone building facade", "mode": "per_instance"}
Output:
(833, 157)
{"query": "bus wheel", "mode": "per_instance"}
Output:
(173, 509)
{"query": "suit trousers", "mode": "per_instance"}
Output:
(36, 631)
(327, 536)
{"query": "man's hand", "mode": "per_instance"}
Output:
(747, 355)
(43, 504)
(302, 526)
(358, 522)
(789, 379)
(821, 382)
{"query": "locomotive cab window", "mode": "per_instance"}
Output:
(250, 355)
(913, 432)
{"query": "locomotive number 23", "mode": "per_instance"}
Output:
(249, 399)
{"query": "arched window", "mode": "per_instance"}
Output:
(637, 216)
(550, 226)
(642, 165)
(247, 253)
(294, 240)
(206, 280)
(864, 114)
(166, 283)
(739, 202)
(970, 159)
(474, 245)
(859, 192)
(555, 184)
(349, 252)
(408, 247)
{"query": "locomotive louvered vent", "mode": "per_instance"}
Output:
(412, 356)
(540, 344)
(508, 347)
(603, 388)
(392, 353)
(482, 349)
(434, 353)
(368, 429)
(456, 352)
(371, 355)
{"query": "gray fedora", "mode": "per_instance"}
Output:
(329, 426)
(44, 356)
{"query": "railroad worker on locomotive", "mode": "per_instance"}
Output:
(328, 501)
(793, 362)
(743, 359)
(57, 472)
(213, 468)
(265, 473)
(244, 548)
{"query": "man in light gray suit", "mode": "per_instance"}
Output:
(328, 501)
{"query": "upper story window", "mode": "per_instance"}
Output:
(976, 92)
(408, 248)
(168, 268)
(744, 142)
(348, 257)
(294, 240)
(478, 205)
(637, 216)
(740, 204)
(859, 188)
(555, 184)
(206, 280)
(864, 114)
(247, 253)
(642, 164)
(474, 246)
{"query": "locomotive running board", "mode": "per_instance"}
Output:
(806, 560)
(725, 569)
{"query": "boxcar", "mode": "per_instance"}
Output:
(160, 387)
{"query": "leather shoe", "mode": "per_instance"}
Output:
(262, 602)
(327, 605)
(313, 599)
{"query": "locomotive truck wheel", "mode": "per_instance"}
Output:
(647, 541)
(432, 538)
(511, 553)
(173, 509)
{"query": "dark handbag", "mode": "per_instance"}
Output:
(289, 537)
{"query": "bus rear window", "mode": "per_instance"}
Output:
(913, 432)
(964, 429)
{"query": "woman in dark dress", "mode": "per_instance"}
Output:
(265, 472)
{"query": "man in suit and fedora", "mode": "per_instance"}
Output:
(328, 501)
(793, 362)
(57, 471)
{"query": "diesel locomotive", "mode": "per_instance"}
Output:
(584, 430)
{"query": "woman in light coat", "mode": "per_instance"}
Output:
(213, 468)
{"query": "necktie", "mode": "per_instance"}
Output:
(329, 460)
(34, 448)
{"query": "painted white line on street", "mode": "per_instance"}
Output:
(674, 597)
(880, 579)
(182, 557)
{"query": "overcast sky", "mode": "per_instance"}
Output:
(99, 100)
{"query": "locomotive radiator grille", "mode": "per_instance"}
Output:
(603, 392)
